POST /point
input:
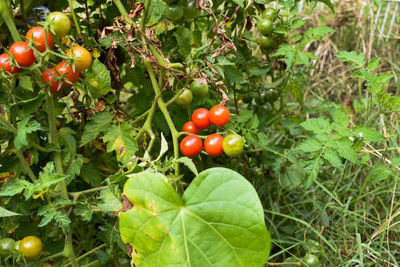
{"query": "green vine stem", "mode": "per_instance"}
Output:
(25, 164)
(71, 6)
(5, 13)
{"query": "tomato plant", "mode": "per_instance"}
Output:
(5, 63)
(60, 24)
(190, 127)
(201, 118)
(264, 26)
(310, 260)
(31, 247)
(269, 14)
(39, 36)
(174, 12)
(213, 145)
(191, 146)
(23, 55)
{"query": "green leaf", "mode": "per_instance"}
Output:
(379, 173)
(48, 176)
(25, 127)
(7, 213)
(345, 150)
(85, 211)
(120, 139)
(239, 3)
(333, 158)
(98, 80)
(156, 11)
(164, 147)
(25, 82)
(310, 145)
(184, 39)
(352, 57)
(373, 64)
(368, 134)
(317, 125)
(12, 189)
(188, 162)
(31, 105)
(328, 3)
(205, 228)
(233, 75)
(99, 123)
(68, 141)
(110, 203)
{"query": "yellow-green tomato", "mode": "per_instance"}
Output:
(264, 26)
(31, 247)
(233, 145)
(60, 23)
(185, 98)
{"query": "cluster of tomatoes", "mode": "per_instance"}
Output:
(22, 55)
(214, 144)
(177, 9)
(30, 247)
(265, 27)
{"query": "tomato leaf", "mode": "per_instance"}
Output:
(98, 124)
(7, 213)
(120, 139)
(98, 80)
(165, 229)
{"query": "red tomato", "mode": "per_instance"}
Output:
(24, 57)
(5, 64)
(190, 127)
(213, 145)
(200, 118)
(191, 146)
(219, 115)
(36, 34)
(49, 77)
(71, 76)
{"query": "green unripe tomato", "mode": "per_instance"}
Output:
(233, 145)
(264, 26)
(269, 13)
(199, 89)
(31, 247)
(271, 95)
(60, 23)
(310, 260)
(265, 42)
(190, 10)
(174, 12)
(6, 246)
(185, 98)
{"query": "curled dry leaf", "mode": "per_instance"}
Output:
(222, 89)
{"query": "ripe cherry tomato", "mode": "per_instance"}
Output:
(31, 247)
(24, 57)
(265, 41)
(37, 35)
(174, 12)
(269, 13)
(59, 23)
(5, 64)
(201, 118)
(264, 26)
(190, 127)
(233, 145)
(199, 89)
(71, 77)
(213, 145)
(219, 115)
(310, 260)
(83, 57)
(185, 98)
(191, 146)
(49, 77)
(190, 10)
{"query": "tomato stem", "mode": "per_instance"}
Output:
(71, 6)
(5, 13)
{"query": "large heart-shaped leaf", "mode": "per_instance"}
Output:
(218, 222)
